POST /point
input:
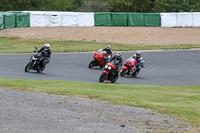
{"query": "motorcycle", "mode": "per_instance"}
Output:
(99, 59)
(110, 73)
(130, 68)
(36, 62)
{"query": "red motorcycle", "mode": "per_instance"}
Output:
(99, 59)
(130, 68)
(110, 73)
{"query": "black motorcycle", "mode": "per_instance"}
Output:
(37, 62)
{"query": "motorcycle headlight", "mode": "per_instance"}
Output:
(109, 68)
(106, 66)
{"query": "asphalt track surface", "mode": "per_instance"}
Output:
(174, 67)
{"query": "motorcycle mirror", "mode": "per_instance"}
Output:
(36, 48)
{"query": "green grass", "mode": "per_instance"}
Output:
(19, 45)
(182, 102)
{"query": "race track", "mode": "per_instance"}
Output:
(180, 67)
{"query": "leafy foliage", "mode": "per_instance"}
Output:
(102, 5)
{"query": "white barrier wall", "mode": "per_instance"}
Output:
(85, 19)
(180, 19)
(70, 19)
(184, 20)
(55, 19)
(37, 19)
(196, 19)
(168, 19)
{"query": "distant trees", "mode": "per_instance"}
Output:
(102, 5)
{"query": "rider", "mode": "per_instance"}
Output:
(45, 53)
(138, 57)
(118, 61)
(108, 50)
(108, 53)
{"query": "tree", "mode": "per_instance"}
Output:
(129, 5)
(93, 6)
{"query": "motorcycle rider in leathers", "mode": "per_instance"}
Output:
(108, 52)
(139, 59)
(118, 61)
(45, 53)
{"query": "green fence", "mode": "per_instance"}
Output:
(23, 20)
(152, 19)
(14, 19)
(119, 19)
(135, 19)
(9, 20)
(1, 21)
(127, 19)
(102, 19)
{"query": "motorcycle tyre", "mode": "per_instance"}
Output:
(123, 72)
(28, 67)
(135, 74)
(91, 64)
(41, 69)
(102, 77)
(115, 79)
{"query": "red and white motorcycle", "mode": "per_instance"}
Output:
(130, 68)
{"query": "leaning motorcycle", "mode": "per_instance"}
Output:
(99, 59)
(110, 73)
(130, 68)
(36, 62)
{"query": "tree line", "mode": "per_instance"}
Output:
(139, 6)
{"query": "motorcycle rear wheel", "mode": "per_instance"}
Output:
(135, 74)
(41, 69)
(28, 67)
(102, 77)
(115, 79)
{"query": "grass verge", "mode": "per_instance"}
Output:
(19, 45)
(182, 102)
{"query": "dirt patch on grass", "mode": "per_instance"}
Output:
(123, 35)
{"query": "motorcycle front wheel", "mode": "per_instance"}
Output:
(28, 67)
(91, 64)
(123, 72)
(102, 77)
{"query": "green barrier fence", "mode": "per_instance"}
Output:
(1, 21)
(135, 19)
(119, 19)
(152, 19)
(127, 19)
(23, 20)
(102, 19)
(10, 20)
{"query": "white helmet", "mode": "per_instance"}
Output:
(138, 53)
(118, 55)
(47, 45)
